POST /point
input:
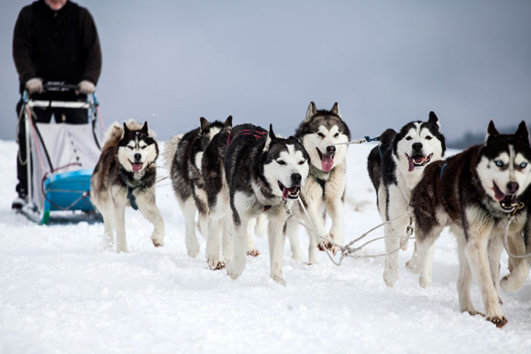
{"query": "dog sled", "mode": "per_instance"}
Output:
(61, 158)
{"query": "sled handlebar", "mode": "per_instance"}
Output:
(58, 86)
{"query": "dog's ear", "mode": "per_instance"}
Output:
(310, 112)
(126, 129)
(204, 125)
(492, 132)
(270, 137)
(228, 122)
(522, 132)
(434, 119)
(335, 109)
(145, 129)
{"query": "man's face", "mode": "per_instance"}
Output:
(55, 4)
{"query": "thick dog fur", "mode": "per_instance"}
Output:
(395, 167)
(183, 155)
(474, 192)
(248, 172)
(126, 174)
(324, 190)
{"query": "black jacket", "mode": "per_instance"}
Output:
(56, 45)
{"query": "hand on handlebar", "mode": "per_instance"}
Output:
(34, 85)
(85, 87)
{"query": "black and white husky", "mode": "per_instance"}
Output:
(474, 192)
(183, 155)
(125, 175)
(395, 167)
(249, 171)
(323, 134)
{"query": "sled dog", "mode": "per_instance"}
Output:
(324, 190)
(395, 167)
(125, 175)
(474, 192)
(249, 171)
(183, 155)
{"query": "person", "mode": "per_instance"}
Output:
(53, 41)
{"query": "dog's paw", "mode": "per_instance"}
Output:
(158, 240)
(390, 277)
(499, 321)
(214, 262)
(235, 268)
(510, 283)
(192, 248)
(253, 253)
(424, 282)
(413, 267)
(279, 279)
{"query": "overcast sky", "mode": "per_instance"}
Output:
(385, 62)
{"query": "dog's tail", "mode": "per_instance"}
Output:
(170, 149)
(113, 135)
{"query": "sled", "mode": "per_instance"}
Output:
(61, 159)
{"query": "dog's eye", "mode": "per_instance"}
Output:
(281, 162)
(523, 165)
(302, 162)
(143, 147)
(130, 147)
(499, 163)
(321, 135)
(408, 138)
(429, 137)
(336, 135)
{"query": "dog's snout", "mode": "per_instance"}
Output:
(296, 179)
(138, 157)
(512, 187)
(330, 149)
(417, 146)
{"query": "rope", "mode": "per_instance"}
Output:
(517, 206)
(366, 139)
(347, 250)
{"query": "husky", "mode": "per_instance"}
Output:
(474, 193)
(249, 171)
(395, 167)
(183, 155)
(323, 134)
(125, 175)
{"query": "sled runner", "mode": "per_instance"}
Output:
(61, 158)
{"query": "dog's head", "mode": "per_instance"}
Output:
(320, 131)
(503, 167)
(286, 165)
(137, 148)
(419, 143)
(208, 130)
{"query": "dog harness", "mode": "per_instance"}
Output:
(130, 189)
(259, 134)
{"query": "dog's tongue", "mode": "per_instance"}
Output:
(411, 164)
(327, 162)
(498, 194)
(286, 192)
(137, 167)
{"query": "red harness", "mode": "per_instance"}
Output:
(256, 133)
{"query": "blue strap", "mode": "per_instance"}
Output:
(442, 170)
(369, 139)
(132, 198)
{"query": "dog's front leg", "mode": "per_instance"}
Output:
(147, 205)
(237, 265)
(293, 237)
(476, 251)
(318, 230)
(276, 248)
(213, 247)
(494, 249)
(336, 209)
(119, 226)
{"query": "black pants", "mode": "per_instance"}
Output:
(41, 115)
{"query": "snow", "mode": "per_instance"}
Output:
(61, 291)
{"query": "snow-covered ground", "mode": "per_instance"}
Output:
(62, 292)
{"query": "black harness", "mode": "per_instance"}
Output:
(130, 189)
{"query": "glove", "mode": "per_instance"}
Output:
(85, 87)
(34, 85)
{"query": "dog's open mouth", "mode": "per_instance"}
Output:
(137, 166)
(507, 201)
(327, 160)
(418, 161)
(289, 193)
